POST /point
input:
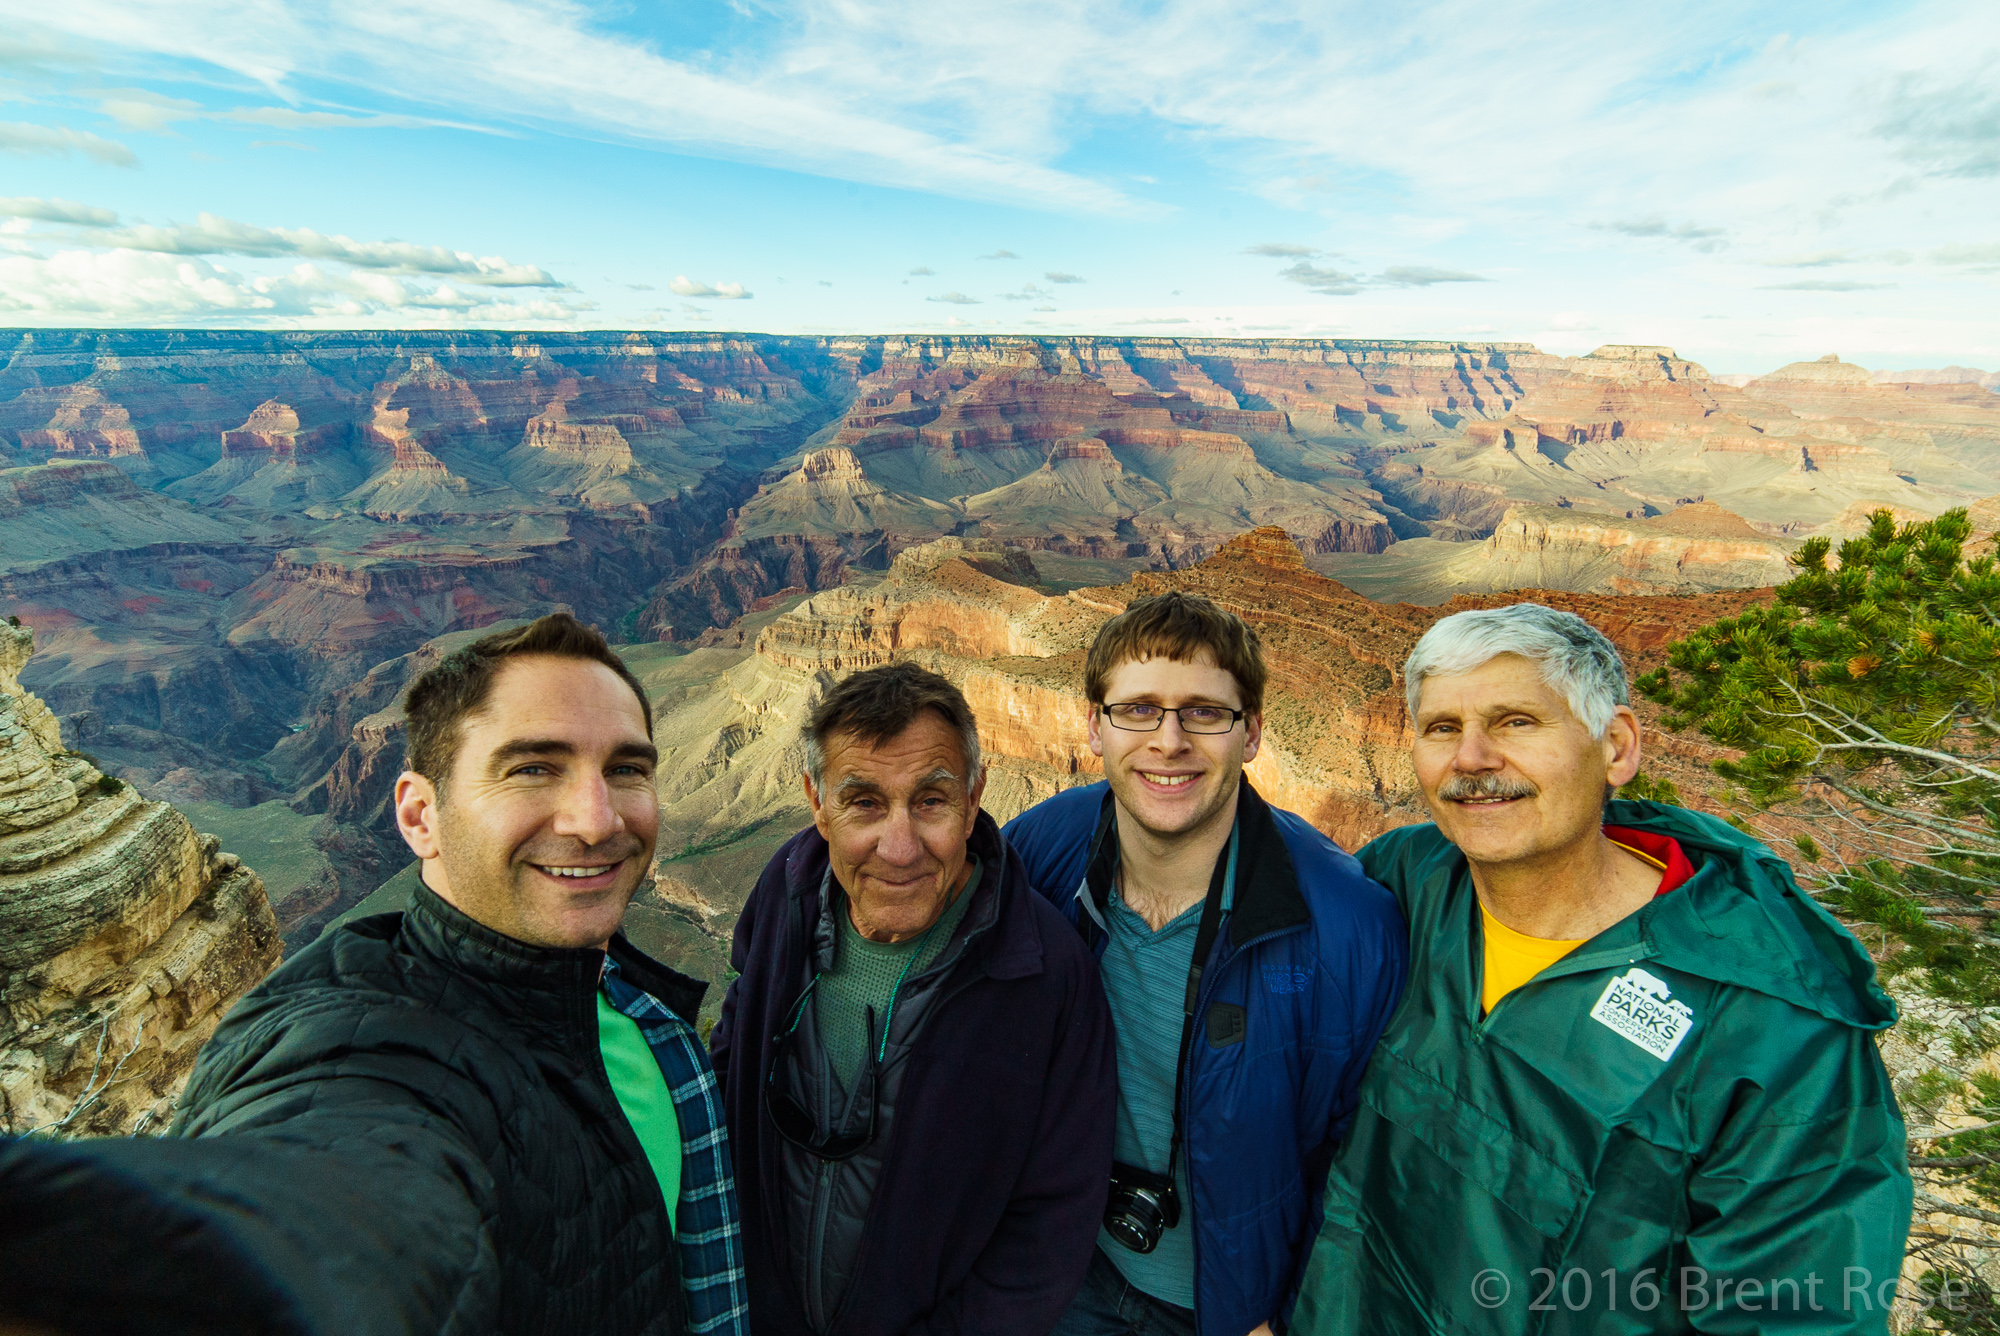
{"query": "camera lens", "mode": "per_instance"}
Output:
(1133, 1217)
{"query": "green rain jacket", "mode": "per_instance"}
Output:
(1682, 1126)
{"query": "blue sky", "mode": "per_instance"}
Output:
(1751, 184)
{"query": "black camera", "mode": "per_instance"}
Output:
(1143, 1205)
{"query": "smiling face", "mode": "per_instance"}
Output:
(896, 816)
(1175, 784)
(1510, 774)
(546, 826)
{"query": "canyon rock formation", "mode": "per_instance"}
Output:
(235, 546)
(124, 934)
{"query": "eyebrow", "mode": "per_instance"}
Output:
(858, 784)
(522, 748)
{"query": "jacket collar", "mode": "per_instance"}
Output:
(1268, 898)
(1743, 920)
(532, 983)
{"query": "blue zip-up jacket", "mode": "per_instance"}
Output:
(1304, 974)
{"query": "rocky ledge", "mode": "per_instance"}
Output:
(124, 934)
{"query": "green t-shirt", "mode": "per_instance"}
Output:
(643, 1095)
(865, 974)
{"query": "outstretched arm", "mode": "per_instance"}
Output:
(370, 1218)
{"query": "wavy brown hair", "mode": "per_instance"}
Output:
(1182, 627)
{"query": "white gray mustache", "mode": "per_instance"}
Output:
(1460, 787)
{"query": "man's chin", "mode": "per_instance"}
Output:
(585, 919)
(1169, 816)
(1497, 833)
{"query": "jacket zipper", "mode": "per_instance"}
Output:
(816, 1248)
(861, 1250)
(1210, 981)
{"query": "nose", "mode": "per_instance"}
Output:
(1476, 753)
(1168, 737)
(898, 844)
(587, 812)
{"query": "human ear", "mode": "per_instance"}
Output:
(417, 806)
(1621, 747)
(822, 819)
(1096, 726)
(1253, 736)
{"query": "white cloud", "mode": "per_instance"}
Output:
(1316, 278)
(1708, 239)
(1057, 276)
(1282, 250)
(1000, 255)
(955, 298)
(551, 62)
(55, 140)
(57, 211)
(687, 287)
(922, 271)
(1823, 285)
(138, 287)
(1423, 276)
(212, 234)
(141, 109)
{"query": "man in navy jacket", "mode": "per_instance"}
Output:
(917, 1061)
(1250, 966)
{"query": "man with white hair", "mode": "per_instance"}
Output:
(1633, 1084)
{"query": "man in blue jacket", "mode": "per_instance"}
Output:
(1250, 967)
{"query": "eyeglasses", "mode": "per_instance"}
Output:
(1145, 717)
(791, 1118)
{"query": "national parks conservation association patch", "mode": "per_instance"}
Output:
(1639, 1007)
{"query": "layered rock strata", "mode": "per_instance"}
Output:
(124, 934)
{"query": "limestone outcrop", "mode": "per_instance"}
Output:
(124, 934)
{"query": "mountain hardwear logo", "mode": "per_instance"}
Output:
(1640, 1007)
(1286, 979)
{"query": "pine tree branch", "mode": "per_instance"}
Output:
(1932, 1204)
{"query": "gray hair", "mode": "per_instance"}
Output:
(877, 704)
(1576, 659)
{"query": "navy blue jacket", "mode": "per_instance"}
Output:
(999, 1155)
(1304, 973)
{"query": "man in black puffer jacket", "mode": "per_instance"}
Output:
(487, 1114)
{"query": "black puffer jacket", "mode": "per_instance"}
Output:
(406, 1128)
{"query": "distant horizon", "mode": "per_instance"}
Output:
(499, 332)
(1751, 184)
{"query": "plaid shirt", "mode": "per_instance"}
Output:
(706, 1225)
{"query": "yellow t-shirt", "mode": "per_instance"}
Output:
(1513, 958)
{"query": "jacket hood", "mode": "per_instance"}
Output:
(1743, 920)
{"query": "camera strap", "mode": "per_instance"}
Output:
(1221, 891)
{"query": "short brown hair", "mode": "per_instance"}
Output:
(1181, 627)
(440, 699)
(879, 703)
